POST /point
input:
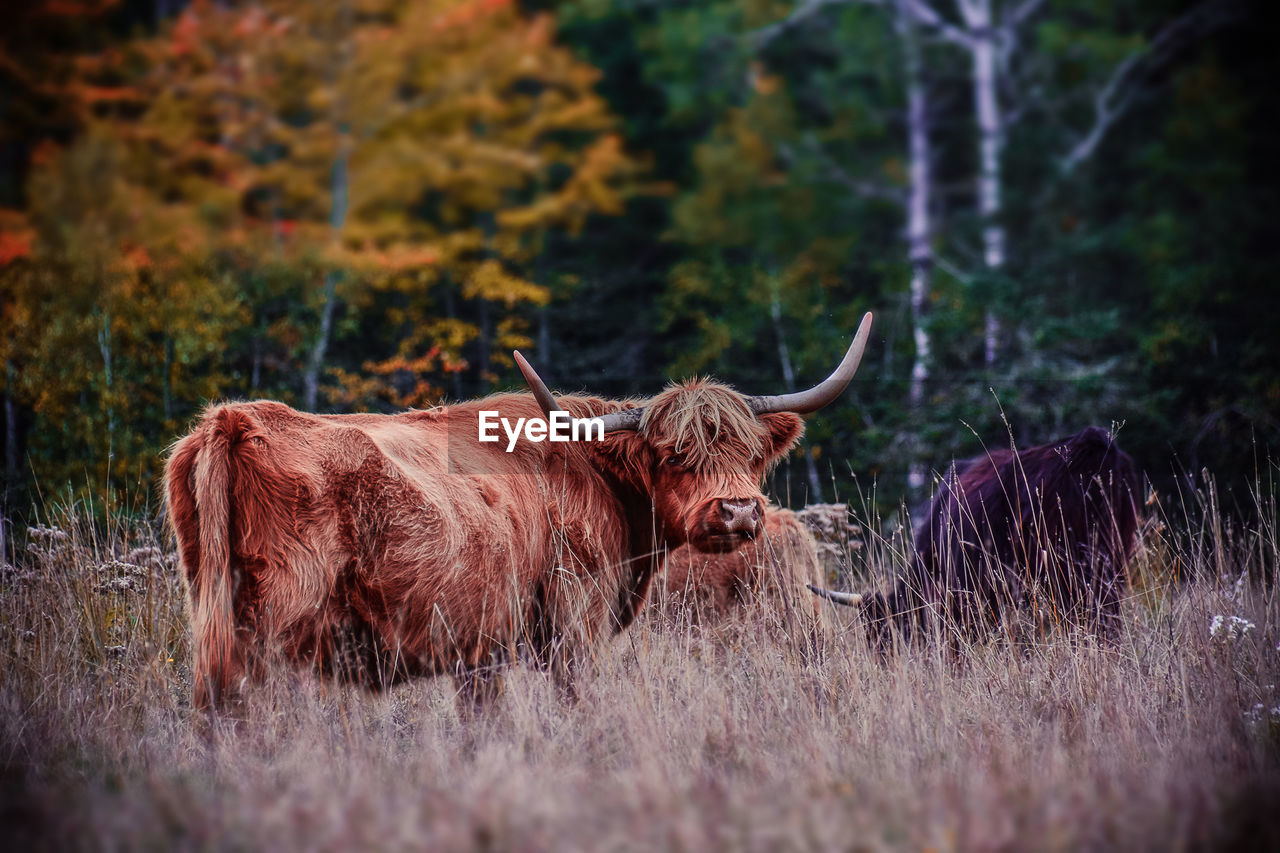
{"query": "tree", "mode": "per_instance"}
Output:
(258, 180)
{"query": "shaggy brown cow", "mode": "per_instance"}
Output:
(1051, 526)
(775, 566)
(377, 547)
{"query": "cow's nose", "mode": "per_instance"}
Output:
(740, 516)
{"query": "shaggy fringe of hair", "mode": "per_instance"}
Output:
(703, 423)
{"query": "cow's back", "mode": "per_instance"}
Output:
(370, 546)
(1059, 518)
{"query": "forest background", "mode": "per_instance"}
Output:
(1062, 213)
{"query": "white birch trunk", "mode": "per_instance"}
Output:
(919, 228)
(982, 46)
(338, 216)
(339, 182)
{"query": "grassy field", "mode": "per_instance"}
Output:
(742, 736)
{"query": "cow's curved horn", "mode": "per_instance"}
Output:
(803, 402)
(848, 599)
(627, 419)
(541, 392)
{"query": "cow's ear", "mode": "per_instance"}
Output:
(628, 455)
(785, 429)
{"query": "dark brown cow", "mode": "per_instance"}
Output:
(377, 547)
(1050, 526)
(776, 566)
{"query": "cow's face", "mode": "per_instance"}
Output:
(700, 449)
(702, 454)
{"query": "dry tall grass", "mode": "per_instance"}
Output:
(739, 737)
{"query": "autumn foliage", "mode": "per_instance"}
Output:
(238, 195)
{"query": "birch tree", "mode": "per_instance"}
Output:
(919, 225)
(1007, 88)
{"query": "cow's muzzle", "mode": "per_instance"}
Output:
(727, 523)
(741, 516)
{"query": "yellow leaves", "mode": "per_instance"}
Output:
(179, 244)
(488, 280)
(353, 390)
(762, 82)
(591, 190)
(451, 335)
(510, 336)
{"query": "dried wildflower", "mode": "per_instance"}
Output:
(48, 536)
(13, 575)
(151, 557)
(122, 568)
(1261, 713)
(1229, 627)
(128, 583)
(115, 651)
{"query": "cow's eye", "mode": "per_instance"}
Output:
(673, 461)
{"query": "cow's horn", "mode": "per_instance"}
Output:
(541, 392)
(627, 419)
(803, 402)
(849, 599)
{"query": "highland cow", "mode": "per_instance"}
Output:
(379, 547)
(775, 568)
(1049, 527)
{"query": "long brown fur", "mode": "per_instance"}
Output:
(774, 570)
(1050, 526)
(377, 547)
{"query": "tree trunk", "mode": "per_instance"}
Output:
(977, 14)
(919, 234)
(166, 382)
(104, 347)
(485, 340)
(10, 443)
(311, 379)
(255, 374)
(338, 216)
(544, 343)
(451, 311)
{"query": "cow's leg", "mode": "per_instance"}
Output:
(478, 689)
(480, 683)
(565, 666)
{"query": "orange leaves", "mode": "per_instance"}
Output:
(253, 161)
(93, 95)
(762, 82)
(401, 379)
(469, 13)
(404, 258)
(13, 246)
(16, 237)
(44, 153)
(136, 258)
(185, 35)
